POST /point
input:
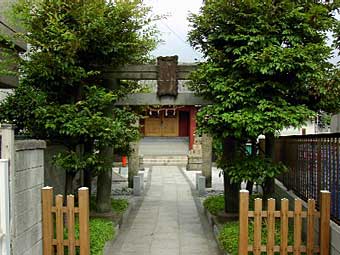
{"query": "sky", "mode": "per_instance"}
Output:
(175, 27)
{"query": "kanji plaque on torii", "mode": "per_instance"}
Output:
(167, 84)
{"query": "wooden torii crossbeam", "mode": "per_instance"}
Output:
(145, 72)
(152, 72)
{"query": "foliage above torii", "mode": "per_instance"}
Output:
(61, 95)
(267, 64)
(70, 40)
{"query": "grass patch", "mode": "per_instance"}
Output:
(214, 204)
(228, 237)
(101, 231)
(119, 205)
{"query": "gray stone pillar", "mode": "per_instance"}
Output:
(8, 152)
(207, 158)
(141, 175)
(196, 179)
(123, 171)
(137, 185)
(133, 162)
(201, 185)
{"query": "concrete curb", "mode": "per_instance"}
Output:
(214, 228)
(122, 221)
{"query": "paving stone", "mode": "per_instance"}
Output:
(167, 222)
(162, 251)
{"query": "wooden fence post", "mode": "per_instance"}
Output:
(310, 226)
(243, 235)
(59, 224)
(257, 226)
(71, 225)
(271, 226)
(325, 210)
(47, 202)
(284, 227)
(297, 226)
(84, 238)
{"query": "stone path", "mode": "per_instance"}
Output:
(166, 222)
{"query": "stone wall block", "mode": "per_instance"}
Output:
(27, 240)
(26, 200)
(29, 178)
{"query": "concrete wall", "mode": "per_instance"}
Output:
(310, 128)
(335, 123)
(28, 180)
(54, 176)
(282, 192)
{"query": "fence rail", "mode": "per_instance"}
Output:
(4, 208)
(258, 215)
(314, 165)
(54, 232)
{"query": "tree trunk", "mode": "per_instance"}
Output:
(250, 184)
(231, 196)
(69, 183)
(249, 187)
(88, 171)
(269, 184)
(207, 159)
(104, 181)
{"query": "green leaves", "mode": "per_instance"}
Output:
(62, 96)
(254, 169)
(8, 57)
(267, 65)
(266, 69)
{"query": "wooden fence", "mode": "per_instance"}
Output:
(54, 231)
(271, 216)
(4, 208)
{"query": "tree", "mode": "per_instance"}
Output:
(8, 56)
(266, 68)
(62, 95)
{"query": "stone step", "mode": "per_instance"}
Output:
(165, 160)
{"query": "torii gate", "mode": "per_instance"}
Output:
(167, 73)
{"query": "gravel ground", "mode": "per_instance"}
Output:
(120, 183)
(217, 180)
